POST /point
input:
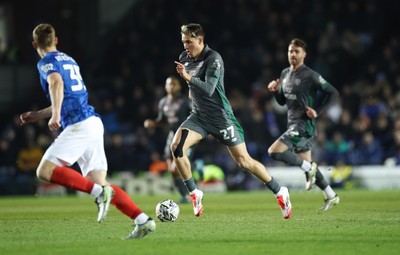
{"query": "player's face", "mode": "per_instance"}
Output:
(172, 86)
(192, 45)
(296, 55)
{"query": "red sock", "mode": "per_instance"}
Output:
(124, 203)
(70, 178)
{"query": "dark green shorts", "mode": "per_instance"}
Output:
(296, 141)
(228, 132)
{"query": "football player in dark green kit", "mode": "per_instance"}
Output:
(203, 70)
(297, 89)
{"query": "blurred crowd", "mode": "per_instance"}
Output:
(350, 44)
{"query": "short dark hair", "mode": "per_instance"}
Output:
(192, 29)
(299, 43)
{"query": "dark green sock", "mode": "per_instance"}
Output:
(180, 186)
(190, 185)
(273, 186)
(288, 157)
(320, 181)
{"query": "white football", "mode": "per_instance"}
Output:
(167, 211)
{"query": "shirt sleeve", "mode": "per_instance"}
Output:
(212, 75)
(47, 66)
(160, 115)
(330, 93)
(279, 96)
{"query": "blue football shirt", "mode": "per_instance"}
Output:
(75, 107)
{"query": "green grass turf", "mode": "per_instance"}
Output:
(365, 222)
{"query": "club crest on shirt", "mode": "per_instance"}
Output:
(217, 64)
(192, 72)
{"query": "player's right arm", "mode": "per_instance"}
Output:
(275, 88)
(56, 91)
(212, 75)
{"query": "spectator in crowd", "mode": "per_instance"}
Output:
(342, 175)
(337, 149)
(28, 159)
(369, 151)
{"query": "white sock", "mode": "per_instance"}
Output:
(329, 193)
(141, 219)
(306, 166)
(96, 191)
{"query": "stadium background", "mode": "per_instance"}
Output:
(126, 50)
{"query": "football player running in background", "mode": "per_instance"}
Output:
(203, 70)
(297, 88)
(81, 140)
(173, 109)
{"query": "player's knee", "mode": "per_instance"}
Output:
(270, 151)
(177, 148)
(178, 152)
(276, 155)
(43, 174)
(242, 162)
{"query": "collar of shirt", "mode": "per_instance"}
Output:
(203, 52)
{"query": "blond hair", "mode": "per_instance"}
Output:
(192, 29)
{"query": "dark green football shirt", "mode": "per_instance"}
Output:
(174, 111)
(211, 108)
(299, 89)
(206, 87)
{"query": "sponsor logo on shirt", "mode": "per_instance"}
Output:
(47, 67)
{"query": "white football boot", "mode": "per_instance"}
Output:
(197, 196)
(103, 202)
(141, 230)
(284, 202)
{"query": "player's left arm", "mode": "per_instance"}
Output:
(56, 91)
(330, 93)
(34, 116)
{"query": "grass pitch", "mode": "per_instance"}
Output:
(365, 222)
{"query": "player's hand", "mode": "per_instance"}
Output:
(273, 86)
(29, 117)
(149, 123)
(54, 122)
(180, 69)
(311, 113)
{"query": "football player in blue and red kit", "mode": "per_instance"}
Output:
(81, 139)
